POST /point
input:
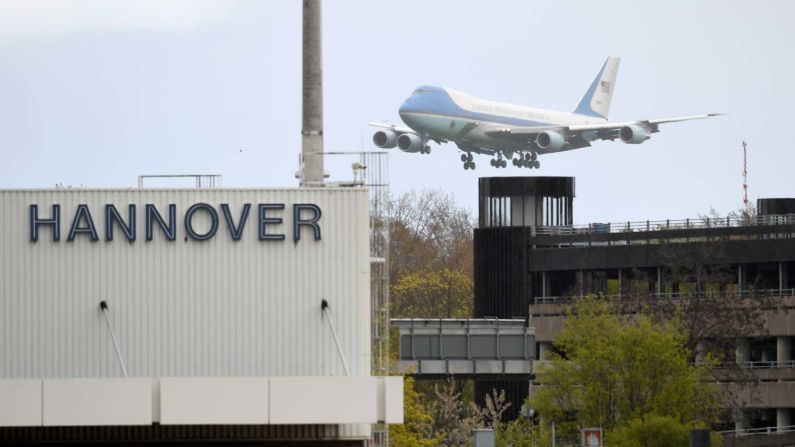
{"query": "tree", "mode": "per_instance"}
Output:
(649, 431)
(441, 294)
(453, 419)
(430, 247)
(417, 427)
(496, 404)
(615, 367)
(428, 232)
(653, 431)
(709, 304)
(521, 432)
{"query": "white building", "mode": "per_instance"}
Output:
(214, 296)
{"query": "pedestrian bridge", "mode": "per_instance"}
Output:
(464, 348)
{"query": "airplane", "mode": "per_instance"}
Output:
(503, 130)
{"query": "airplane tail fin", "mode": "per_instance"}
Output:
(596, 101)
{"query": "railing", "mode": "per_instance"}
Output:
(739, 294)
(770, 364)
(757, 431)
(665, 225)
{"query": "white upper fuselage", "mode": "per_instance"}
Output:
(512, 132)
(447, 114)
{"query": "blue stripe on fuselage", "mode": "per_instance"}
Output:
(436, 101)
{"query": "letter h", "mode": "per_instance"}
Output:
(54, 221)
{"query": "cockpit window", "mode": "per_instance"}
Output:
(420, 90)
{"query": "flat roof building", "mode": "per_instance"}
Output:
(531, 261)
(226, 315)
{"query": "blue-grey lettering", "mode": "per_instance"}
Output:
(152, 215)
(83, 224)
(189, 222)
(235, 230)
(271, 222)
(299, 222)
(112, 215)
(54, 222)
(264, 221)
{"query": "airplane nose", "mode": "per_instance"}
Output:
(405, 108)
(409, 105)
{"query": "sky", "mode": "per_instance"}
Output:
(94, 93)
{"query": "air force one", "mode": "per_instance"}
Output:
(508, 131)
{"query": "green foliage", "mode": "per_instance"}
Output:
(619, 368)
(653, 431)
(444, 293)
(649, 431)
(430, 250)
(521, 432)
(417, 428)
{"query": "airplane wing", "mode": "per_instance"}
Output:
(392, 127)
(400, 130)
(650, 125)
(601, 131)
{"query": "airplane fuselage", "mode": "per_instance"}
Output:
(445, 114)
(511, 132)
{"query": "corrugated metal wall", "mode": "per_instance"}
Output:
(185, 307)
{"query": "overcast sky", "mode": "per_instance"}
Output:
(96, 92)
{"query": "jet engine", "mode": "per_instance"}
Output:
(550, 141)
(385, 139)
(633, 134)
(409, 142)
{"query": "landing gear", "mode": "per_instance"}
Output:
(529, 160)
(425, 150)
(499, 162)
(467, 159)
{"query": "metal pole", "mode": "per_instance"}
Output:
(745, 179)
(324, 308)
(553, 434)
(312, 128)
(103, 306)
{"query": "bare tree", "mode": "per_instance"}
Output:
(430, 246)
(428, 231)
(453, 420)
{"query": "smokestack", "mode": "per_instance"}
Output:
(312, 128)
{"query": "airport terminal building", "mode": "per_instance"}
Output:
(532, 262)
(188, 316)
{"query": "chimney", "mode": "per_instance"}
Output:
(312, 127)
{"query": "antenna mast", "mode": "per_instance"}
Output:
(745, 178)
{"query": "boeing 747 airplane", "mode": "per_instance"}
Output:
(503, 131)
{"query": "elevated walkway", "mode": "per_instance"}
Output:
(465, 348)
